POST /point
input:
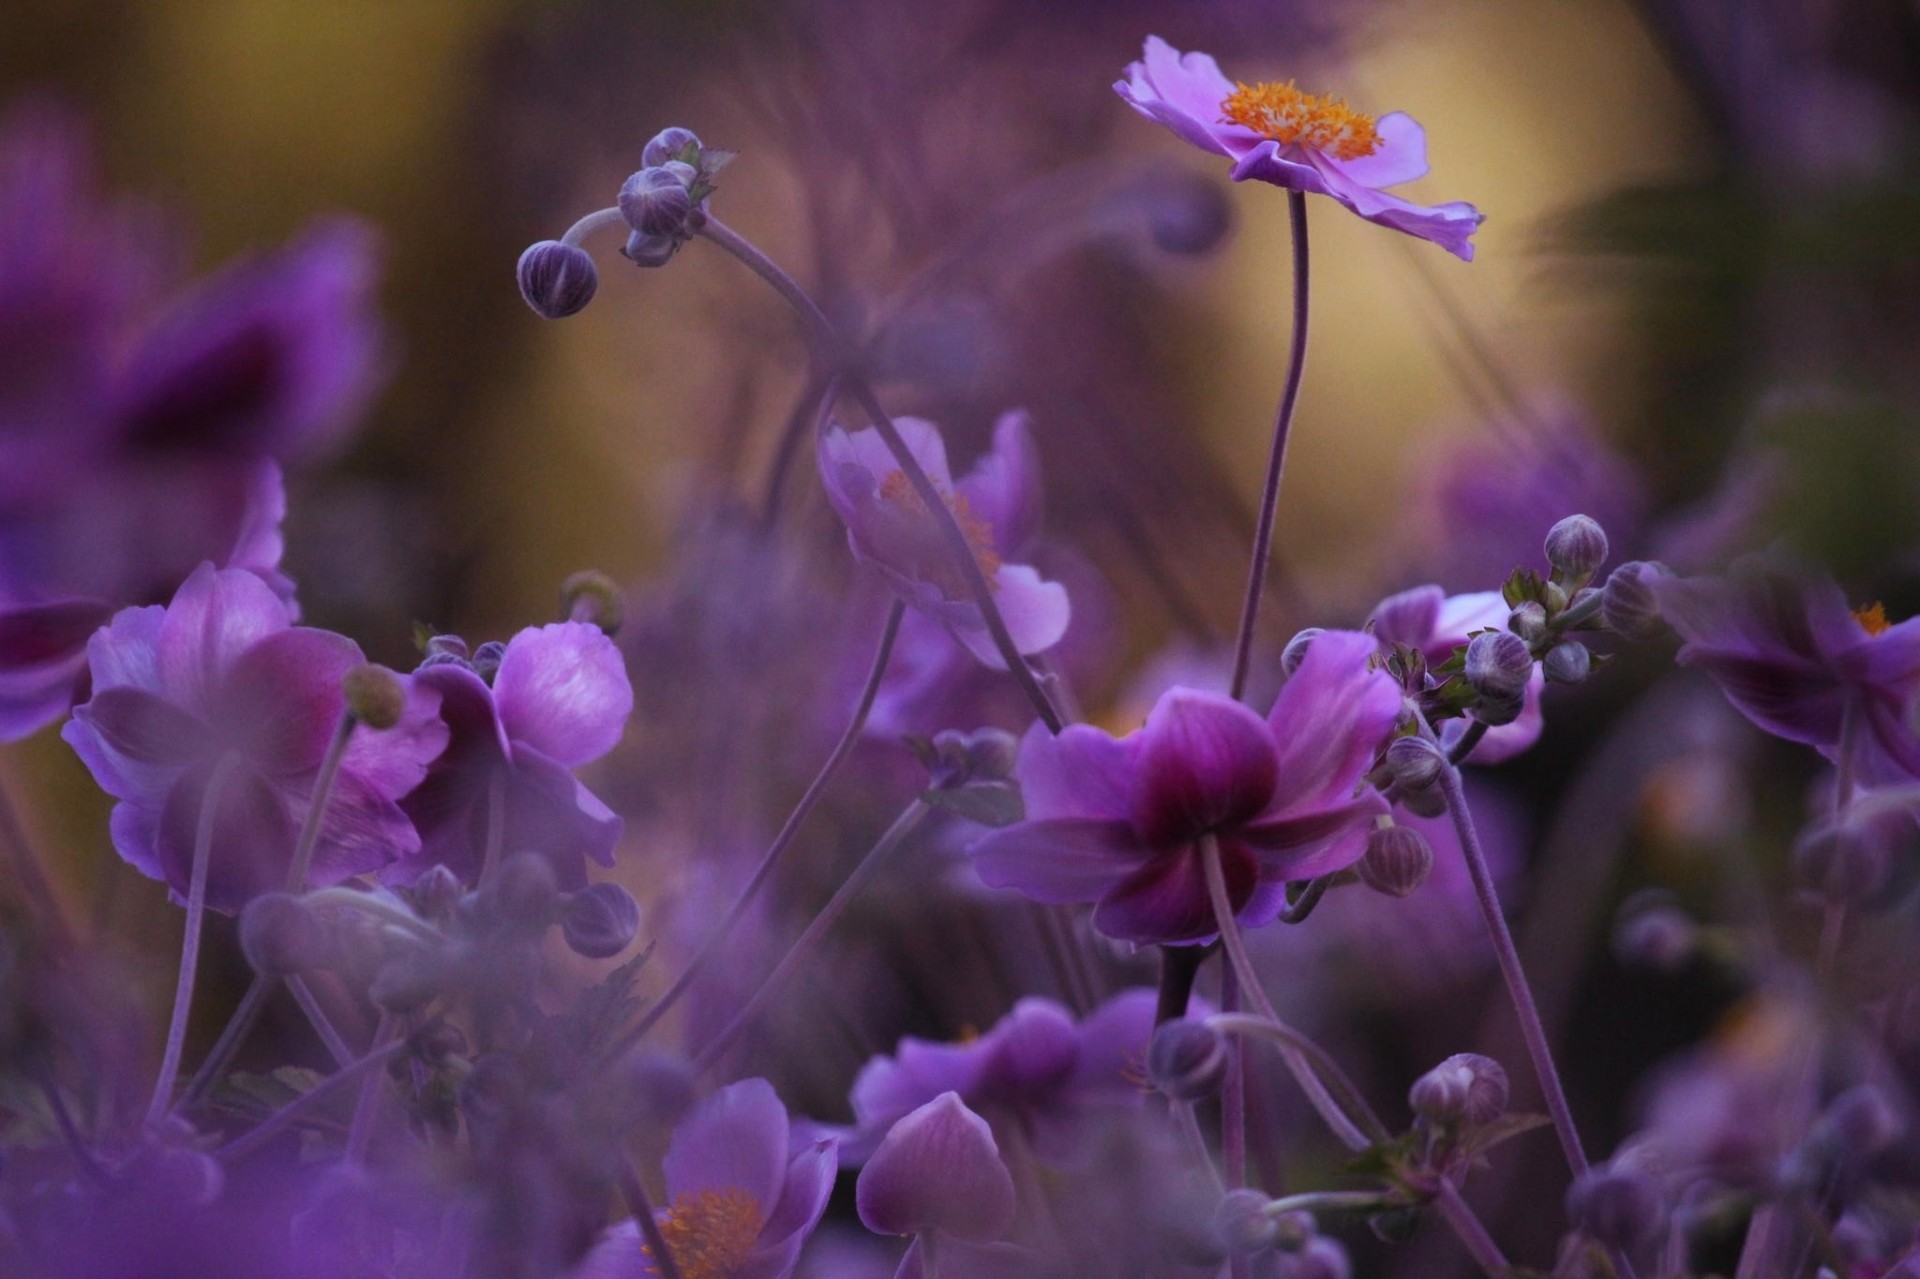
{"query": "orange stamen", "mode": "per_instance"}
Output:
(896, 488)
(710, 1234)
(1872, 618)
(1292, 118)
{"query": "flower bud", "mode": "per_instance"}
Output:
(1861, 1122)
(592, 597)
(1397, 861)
(937, 1169)
(1242, 1225)
(1465, 1087)
(1529, 621)
(1658, 936)
(1576, 546)
(487, 659)
(600, 921)
(1627, 602)
(1414, 762)
(1499, 663)
(670, 144)
(1296, 650)
(375, 696)
(656, 201)
(1567, 663)
(1616, 1207)
(650, 250)
(1187, 215)
(1187, 1060)
(281, 934)
(556, 279)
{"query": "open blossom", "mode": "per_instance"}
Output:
(743, 1194)
(1427, 619)
(1121, 821)
(996, 505)
(1792, 657)
(217, 709)
(560, 699)
(1275, 133)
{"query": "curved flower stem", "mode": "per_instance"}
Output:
(658, 1253)
(586, 226)
(317, 806)
(270, 1127)
(1293, 1045)
(162, 1100)
(895, 835)
(1277, 455)
(830, 352)
(245, 1013)
(1179, 966)
(1518, 991)
(1070, 975)
(1472, 1232)
(1189, 1127)
(1233, 1098)
(1309, 898)
(771, 858)
(1468, 740)
(360, 1133)
(1319, 1074)
(379, 908)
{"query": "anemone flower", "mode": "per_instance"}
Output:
(1435, 623)
(216, 710)
(1317, 145)
(996, 504)
(1122, 821)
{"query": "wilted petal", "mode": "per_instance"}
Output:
(1061, 860)
(938, 1169)
(735, 1139)
(1205, 763)
(563, 689)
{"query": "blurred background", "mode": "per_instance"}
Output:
(1692, 315)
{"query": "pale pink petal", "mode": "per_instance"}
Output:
(563, 689)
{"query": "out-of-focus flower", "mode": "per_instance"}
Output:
(742, 1194)
(996, 505)
(1275, 133)
(1120, 821)
(1794, 659)
(1427, 619)
(217, 701)
(938, 1170)
(559, 699)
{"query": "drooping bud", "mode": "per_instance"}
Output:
(1529, 621)
(1465, 1087)
(656, 201)
(487, 659)
(1414, 763)
(375, 696)
(1568, 663)
(600, 921)
(1627, 603)
(1187, 1060)
(1296, 650)
(1242, 1225)
(557, 279)
(670, 144)
(1186, 214)
(1617, 1207)
(1397, 861)
(1576, 546)
(591, 596)
(650, 250)
(281, 934)
(1499, 663)
(937, 1169)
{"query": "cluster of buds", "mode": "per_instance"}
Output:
(663, 205)
(1287, 1238)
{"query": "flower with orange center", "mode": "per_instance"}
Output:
(711, 1234)
(1274, 132)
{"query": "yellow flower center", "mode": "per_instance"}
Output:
(1292, 118)
(1872, 618)
(899, 490)
(711, 1234)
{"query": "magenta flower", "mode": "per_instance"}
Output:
(1793, 658)
(744, 1191)
(220, 683)
(1275, 133)
(1428, 619)
(560, 699)
(996, 504)
(1119, 821)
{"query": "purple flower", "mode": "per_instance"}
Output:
(1120, 821)
(1794, 659)
(560, 699)
(1427, 619)
(744, 1191)
(1275, 133)
(938, 1170)
(997, 506)
(220, 684)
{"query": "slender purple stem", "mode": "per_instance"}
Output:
(1277, 455)
(271, 1126)
(641, 1207)
(1472, 1232)
(317, 808)
(771, 858)
(317, 1016)
(244, 1015)
(360, 1133)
